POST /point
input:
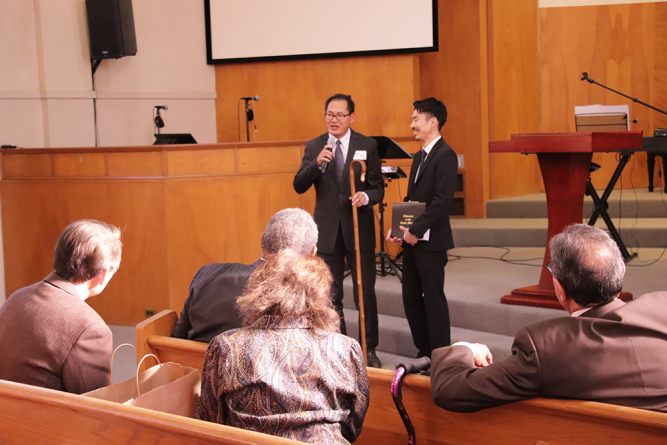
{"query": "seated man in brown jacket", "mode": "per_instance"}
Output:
(49, 336)
(605, 351)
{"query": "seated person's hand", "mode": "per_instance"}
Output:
(482, 355)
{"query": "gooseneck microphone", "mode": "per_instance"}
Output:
(330, 143)
(584, 76)
(255, 98)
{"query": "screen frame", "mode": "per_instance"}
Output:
(211, 61)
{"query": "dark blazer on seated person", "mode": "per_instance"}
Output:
(210, 308)
(616, 353)
(50, 337)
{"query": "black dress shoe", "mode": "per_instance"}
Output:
(372, 359)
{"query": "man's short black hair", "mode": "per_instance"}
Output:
(434, 108)
(345, 97)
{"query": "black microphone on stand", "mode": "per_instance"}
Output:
(249, 114)
(330, 143)
(159, 123)
(584, 76)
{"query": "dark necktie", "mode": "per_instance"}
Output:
(422, 159)
(340, 163)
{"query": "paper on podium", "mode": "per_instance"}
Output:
(602, 117)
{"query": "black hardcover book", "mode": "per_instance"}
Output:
(404, 214)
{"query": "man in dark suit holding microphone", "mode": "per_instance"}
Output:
(427, 240)
(326, 164)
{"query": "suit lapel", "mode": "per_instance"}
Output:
(430, 157)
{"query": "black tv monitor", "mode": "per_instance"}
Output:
(174, 138)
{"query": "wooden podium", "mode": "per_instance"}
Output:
(565, 160)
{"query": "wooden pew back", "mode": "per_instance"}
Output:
(530, 422)
(32, 415)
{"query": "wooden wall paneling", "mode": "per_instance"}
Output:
(514, 89)
(221, 220)
(269, 159)
(659, 97)
(35, 212)
(207, 162)
(142, 282)
(27, 165)
(79, 164)
(456, 75)
(292, 96)
(617, 45)
(135, 164)
(172, 225)
(29, 207)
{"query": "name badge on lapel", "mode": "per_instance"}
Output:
(360, 155)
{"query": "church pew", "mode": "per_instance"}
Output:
(32, 415)
(537, 421)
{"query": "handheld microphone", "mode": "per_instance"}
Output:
(330, 143)
(255, 98)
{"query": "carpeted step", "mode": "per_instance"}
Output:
(395, 336)
(515, 232)
(628, 203)
(474, 308)
(532, 232)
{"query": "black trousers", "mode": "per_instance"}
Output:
(424, 298)
(336, 263)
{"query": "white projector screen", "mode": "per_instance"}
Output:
(256, 30)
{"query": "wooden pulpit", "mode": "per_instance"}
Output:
(565, 160)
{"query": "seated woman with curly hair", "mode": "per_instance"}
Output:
(287, 372)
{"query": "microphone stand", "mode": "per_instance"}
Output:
(249, 116)
(584, 76)
(386, 261)
(159, 123)
(600, 203)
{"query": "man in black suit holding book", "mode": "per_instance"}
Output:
(427, 240)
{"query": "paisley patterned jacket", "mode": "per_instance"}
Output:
(280, 376)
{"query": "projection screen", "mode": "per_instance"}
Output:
(257, 30)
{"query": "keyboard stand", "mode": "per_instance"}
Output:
(600, 204)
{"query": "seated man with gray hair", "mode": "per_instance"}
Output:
(210, 309)
(606, 351)
(49, 336)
